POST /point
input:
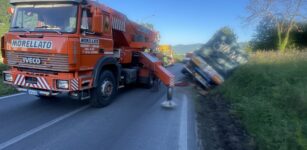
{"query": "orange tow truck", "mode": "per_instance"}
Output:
(79, 47)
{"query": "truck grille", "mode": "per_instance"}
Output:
(52, 62)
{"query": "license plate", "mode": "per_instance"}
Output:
(32, 92)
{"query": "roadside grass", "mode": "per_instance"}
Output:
(4, 88)
(179, 57)
(269, 96)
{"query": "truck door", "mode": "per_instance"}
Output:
(94, 45)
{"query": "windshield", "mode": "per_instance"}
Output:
(41, 18)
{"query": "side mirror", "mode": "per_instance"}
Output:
(10, 10)
(97, 23)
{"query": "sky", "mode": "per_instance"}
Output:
(187, 21)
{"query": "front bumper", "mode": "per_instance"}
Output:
(42, 82)
(39, 92)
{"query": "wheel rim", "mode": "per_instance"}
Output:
(107, 88)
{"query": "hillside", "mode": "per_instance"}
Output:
(182, 49)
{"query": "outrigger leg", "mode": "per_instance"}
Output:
(168, 79)
(169, 103)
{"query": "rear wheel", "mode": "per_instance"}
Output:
(103, 94)
(150, 82)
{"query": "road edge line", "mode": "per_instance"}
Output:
(13, 95)
(183, 134)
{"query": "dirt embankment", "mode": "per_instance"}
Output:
(218, 128)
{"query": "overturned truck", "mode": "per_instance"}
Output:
(215, 61)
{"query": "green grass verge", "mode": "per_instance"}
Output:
(4, 88)
(178, 57)
(269, 95)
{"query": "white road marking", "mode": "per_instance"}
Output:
(39, 128)
(183, 133)
(4, 97)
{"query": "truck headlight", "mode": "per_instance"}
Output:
(8, 77)
(62, 84)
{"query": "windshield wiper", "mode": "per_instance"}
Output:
(48, 28)
(23, 29)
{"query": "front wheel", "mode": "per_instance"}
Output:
(103, 94)
(150, 81)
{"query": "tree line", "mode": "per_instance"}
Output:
(281, 24)
(266, 37)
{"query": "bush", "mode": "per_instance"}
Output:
(178, 58)
(4, 89)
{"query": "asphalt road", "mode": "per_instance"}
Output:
(135, 121)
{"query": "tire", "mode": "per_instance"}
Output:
(156, 86)
(150, 82)
(104, 93)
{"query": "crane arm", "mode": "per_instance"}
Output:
(154, 64)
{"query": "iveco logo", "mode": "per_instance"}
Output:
(31, 60)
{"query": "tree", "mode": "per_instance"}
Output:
(266, 36)
(4, 16)
(299, 37)
(284, 13)
(225, 35)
